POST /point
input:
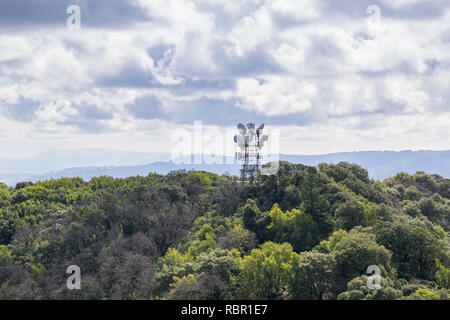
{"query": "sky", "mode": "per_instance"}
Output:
(326, 75)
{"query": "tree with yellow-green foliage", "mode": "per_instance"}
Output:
(442, 275)
(326, 246)
(295, 226)
(5, 256)
(267, 272)
(424, 294)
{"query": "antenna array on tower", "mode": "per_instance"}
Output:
(250, 140)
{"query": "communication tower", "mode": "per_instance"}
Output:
(250, 140)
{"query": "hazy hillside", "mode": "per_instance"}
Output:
(380, 164)
(63, 159)
(384, 164)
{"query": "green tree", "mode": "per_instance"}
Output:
(314, 201)
(267, 272)
(442, 275)
(255, 220)
(5, 256)
(5, 195)
(10, 222)
(210, 278)
(313, 277)
(172, 264)
(351, 214)
(424, 294)
(355, 253)
(357, 289)
(295, 227)
(292, 197)
(326, 246)
(415, 246)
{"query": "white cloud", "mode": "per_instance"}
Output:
(8, 91)
(14, 47)
(298, 10)
(275, 95)
(289, 57)
(408, 93)
(352, 96)
(284, 60)
(251, 31)
(56, 111)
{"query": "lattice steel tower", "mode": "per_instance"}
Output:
(250, 141)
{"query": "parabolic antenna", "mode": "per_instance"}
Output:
(260, 143)
(242, 129)
(261, 140)
(251, 128)
(241, 140)
(251, 141)
(260, 129)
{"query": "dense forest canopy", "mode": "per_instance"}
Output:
(306, 233)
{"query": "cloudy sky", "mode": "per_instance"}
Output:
(330, 75)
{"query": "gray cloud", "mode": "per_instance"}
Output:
(130, 75)
(23, 110)
(91, 112)
(409, 11)
(210, 111)
(324, 67)
(94, 13)
(148, 107)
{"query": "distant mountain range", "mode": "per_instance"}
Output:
(88, 163)
(62, 159)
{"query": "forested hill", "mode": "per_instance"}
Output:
(198, 235)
